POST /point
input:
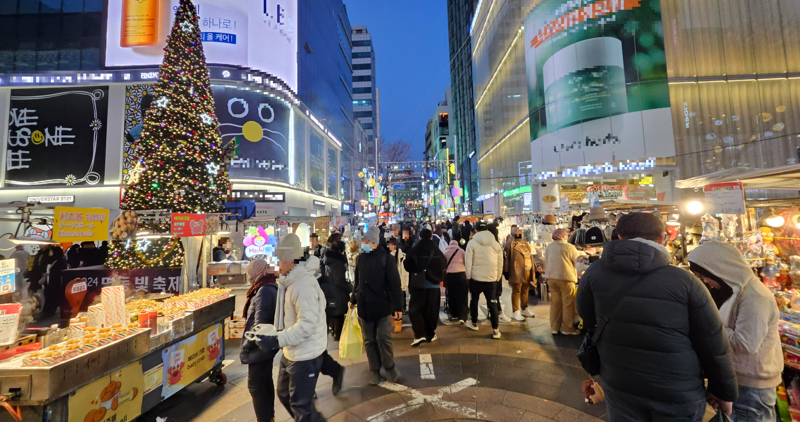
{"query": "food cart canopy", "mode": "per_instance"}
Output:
(782, 178)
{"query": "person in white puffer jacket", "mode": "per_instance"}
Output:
(302, 330)
(484, 267)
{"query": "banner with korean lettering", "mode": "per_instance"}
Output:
(184, 225)
(57, 136)
(80, 224)
(185, 362)
(116, 397)
(151, 280)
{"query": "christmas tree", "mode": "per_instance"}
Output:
(179, 158)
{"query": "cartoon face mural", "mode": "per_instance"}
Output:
(260, 124)
(260, 241)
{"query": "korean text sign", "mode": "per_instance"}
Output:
(114, 397)
(80, 224)
(184, 225)
(725, 198)
(188, 360)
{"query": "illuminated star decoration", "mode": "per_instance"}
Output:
(212, 168)
(186, 26)
(206, 118)
(162, 102)
(142, 245)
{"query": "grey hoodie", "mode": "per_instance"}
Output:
(300, 313)
(750, 316)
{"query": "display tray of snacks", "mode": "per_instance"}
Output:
(61, 368)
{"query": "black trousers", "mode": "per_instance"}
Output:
(378, 343)
(423, 310)
(329, 366)
(458, 294)
(262, 390)
(296, 384)
(335, 324)
(489, 290)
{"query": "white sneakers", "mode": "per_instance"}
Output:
(472, 326)
(518, 316)
(496, 334)
(528, 314)
(503, 318)
(418, 341)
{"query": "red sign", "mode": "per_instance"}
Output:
(725, 198)
(184, 225)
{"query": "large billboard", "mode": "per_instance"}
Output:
(597, 83)
(262, 125)
(57, 136)
(255, 34)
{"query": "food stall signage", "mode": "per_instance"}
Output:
(186, 225)
(7, 276)
(66, 199)
(725, 198)
(114, 397)
(260, 241)
(608, 191)
(80, 224)
(190, 359)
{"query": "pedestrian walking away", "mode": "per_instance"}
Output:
(484, 269)
(750, 316)
(379, 298)
(302, 331)
(646, 377)
(259, 308)
(425, 264)
(520, 272)
(456, 281)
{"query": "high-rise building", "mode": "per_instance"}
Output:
(365, 87)
(439, 144)
(459, 18)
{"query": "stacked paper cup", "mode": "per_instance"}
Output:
(114, 305)
(96, 316)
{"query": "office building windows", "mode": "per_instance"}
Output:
(363, 55)
(362, 43)
(362, 90)
(366, 78)
(366, 66)
(362, 102)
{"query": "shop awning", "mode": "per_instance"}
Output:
(782, 178)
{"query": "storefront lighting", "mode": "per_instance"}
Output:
(774, 220)
(694, 207)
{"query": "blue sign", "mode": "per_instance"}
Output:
(399, 187)
(433, 174)
(218, 37)
(7, 274)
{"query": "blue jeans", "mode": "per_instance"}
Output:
(755, 405)
(625, 407)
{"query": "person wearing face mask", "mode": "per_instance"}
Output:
(399, 257)
(750, 317)
(379, 298)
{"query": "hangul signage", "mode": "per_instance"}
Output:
(185, 225)
(80, 224)
(725, 198)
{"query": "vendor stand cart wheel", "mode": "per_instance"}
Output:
(218, 378)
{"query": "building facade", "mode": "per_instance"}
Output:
(459, 20)
(300, 97)
(439, 153)
(366, 103)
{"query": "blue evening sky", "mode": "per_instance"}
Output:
(412, 60)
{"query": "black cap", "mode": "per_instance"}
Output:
(480, 225)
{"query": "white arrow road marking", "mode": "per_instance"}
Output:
(426, 367)
(419, 399)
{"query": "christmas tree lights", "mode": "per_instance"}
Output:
(180, 164)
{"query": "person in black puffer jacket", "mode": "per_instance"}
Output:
(260, 309)
(335, 286)
(423, 306)
(665, 336)
(379, 298)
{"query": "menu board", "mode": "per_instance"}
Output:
(80, 224)
(185, 225)
(725, 198)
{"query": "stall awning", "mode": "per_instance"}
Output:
(782, 178)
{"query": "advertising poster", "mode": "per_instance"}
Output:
(80, 224)
(260, 241)
(333, 172)
(261, 124)
(7, 275)
(188, 360)
(597, 83)
(185, 225)
(316, 171)
(117, 397)
(91, 281)
(255, 34)
(57, 136)
(137, 102)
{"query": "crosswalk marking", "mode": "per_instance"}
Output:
(418, 399)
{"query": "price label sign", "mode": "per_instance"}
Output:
(7, 276)
(725, 198)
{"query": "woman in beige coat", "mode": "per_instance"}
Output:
(559, 270)
(519, 270)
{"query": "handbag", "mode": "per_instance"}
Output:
(417, 280)
(351, 343)
(444, 275)
(588, 354)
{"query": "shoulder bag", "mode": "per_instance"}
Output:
(444, 272)
(416, 280)
(588, 354)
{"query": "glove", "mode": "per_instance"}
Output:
(267, 343)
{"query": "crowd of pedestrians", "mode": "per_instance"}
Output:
(672, 341)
